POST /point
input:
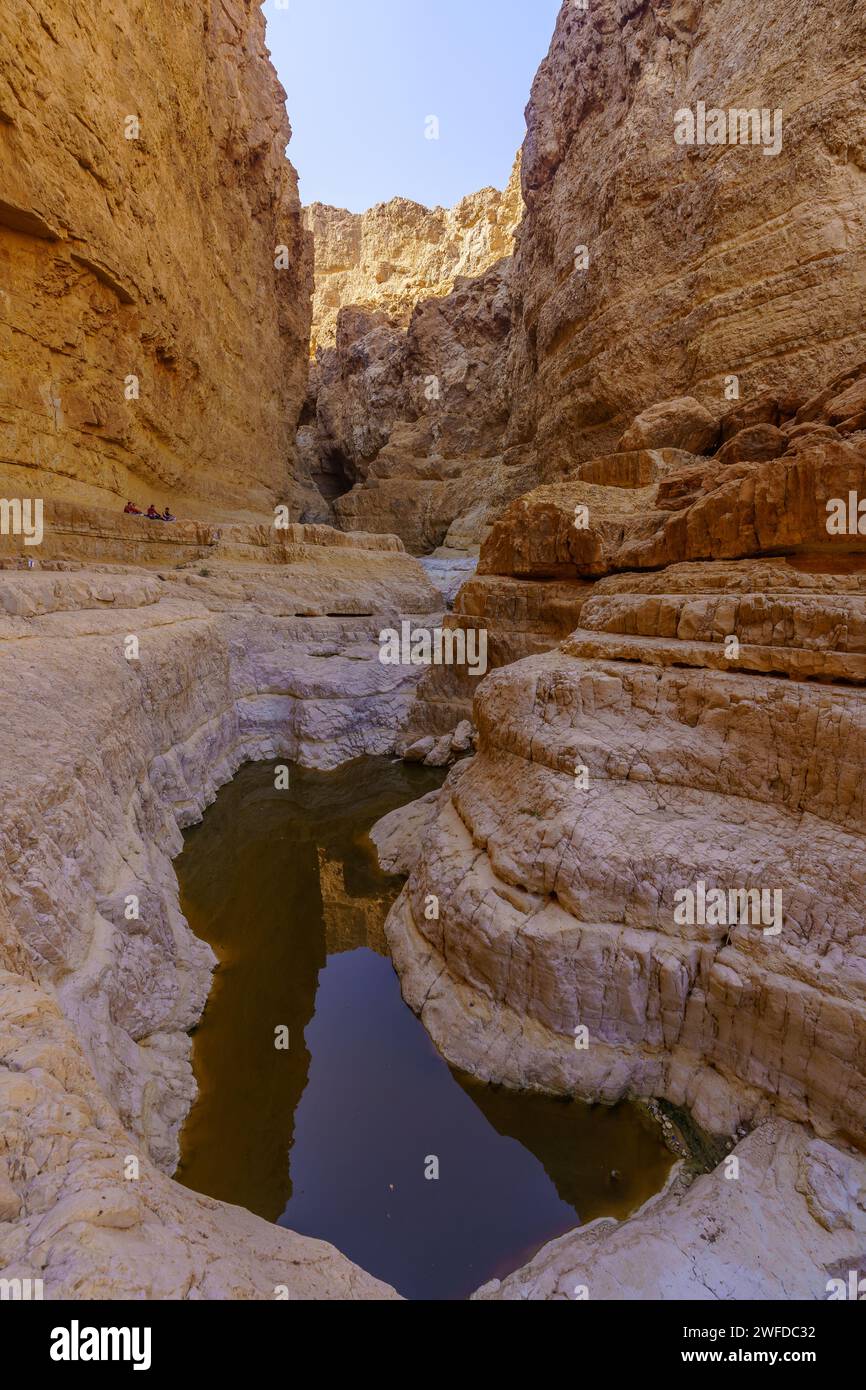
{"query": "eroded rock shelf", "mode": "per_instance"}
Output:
(619, 410)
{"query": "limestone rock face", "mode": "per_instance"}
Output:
(407, 408)
(400, 253)
(150, 258)
(701, 728)
(267, 651)
(648, 270)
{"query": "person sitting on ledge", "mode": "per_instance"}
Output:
(132, 510)
(153, 514)
(167, 516)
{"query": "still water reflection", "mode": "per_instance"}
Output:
(332, 1136)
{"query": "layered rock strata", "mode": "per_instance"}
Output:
(108, 750)
(648, 269)
(645, 269)
(150, 346)
(391, 258)
(702, 725)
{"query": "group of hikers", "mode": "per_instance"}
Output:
(152, 514)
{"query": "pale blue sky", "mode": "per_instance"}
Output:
(362, 76)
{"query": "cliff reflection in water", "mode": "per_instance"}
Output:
(331, 1137)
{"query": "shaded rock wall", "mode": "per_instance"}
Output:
(150, 257)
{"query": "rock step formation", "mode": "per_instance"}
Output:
(703, 724)
(94, 536)
(105, 755)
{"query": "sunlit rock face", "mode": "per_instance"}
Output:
(397, 254)
(145, 198)
(647, 270)
(701, 729)
(408, 409)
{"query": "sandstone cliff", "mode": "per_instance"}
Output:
(399, 253)
(407, 407)
(704, 261)
(144, 193)
(702, 723)
(644, 269)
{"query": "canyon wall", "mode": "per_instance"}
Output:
(644, 269)
(704, 261)
(144, 196)
(677, 623)
(701, 730)
(155, 285)
(399, 253)
(403, 430)
(104, 758)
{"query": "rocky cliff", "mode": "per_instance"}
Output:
(154, 325)
(648, 880)
(675, 612)
(399, 253)
(150, 348)
(701, 725)
(647, 269)
(236, 659)
(408, 405)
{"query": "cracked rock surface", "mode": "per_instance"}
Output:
(103, 761)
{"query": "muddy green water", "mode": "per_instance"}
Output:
(332, 1136)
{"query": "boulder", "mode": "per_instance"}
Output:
(682, 423)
